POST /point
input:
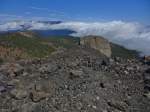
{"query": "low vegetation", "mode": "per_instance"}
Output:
(15, 46)
(1, 61)
(121, 51)
(33, 47)
(63, 41)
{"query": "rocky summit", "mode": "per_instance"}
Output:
(57, 74)
(98, 43)
(78, 79)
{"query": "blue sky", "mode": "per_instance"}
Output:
(77, 10)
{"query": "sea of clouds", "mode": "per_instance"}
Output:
(131, 35)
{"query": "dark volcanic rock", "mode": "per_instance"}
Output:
(146, 60)
(147, 83)
(11, 69)
(2, 89)
(121, 106)
(78, 79)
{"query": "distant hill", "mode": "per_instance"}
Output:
(63, 41)
(49, 33)
(69, 41)
(29, 44)
(120, 51)
(24, 45)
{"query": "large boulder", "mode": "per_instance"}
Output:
(98, 43)
(147, 59)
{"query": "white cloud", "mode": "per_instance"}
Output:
(38, 8)
(47, 10)
(129, 34)
(27, 13)
(13, 25)
(9, 15)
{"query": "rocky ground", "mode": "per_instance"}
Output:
(75, 80)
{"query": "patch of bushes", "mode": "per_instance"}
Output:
(32, 46)
(120, 51)
(1, 60)
(63, 41)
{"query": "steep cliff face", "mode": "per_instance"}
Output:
(98, 43)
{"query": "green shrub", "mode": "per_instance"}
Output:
(1, 60)
(32, 46)
(120, 51)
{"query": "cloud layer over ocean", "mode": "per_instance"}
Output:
(129, 34)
